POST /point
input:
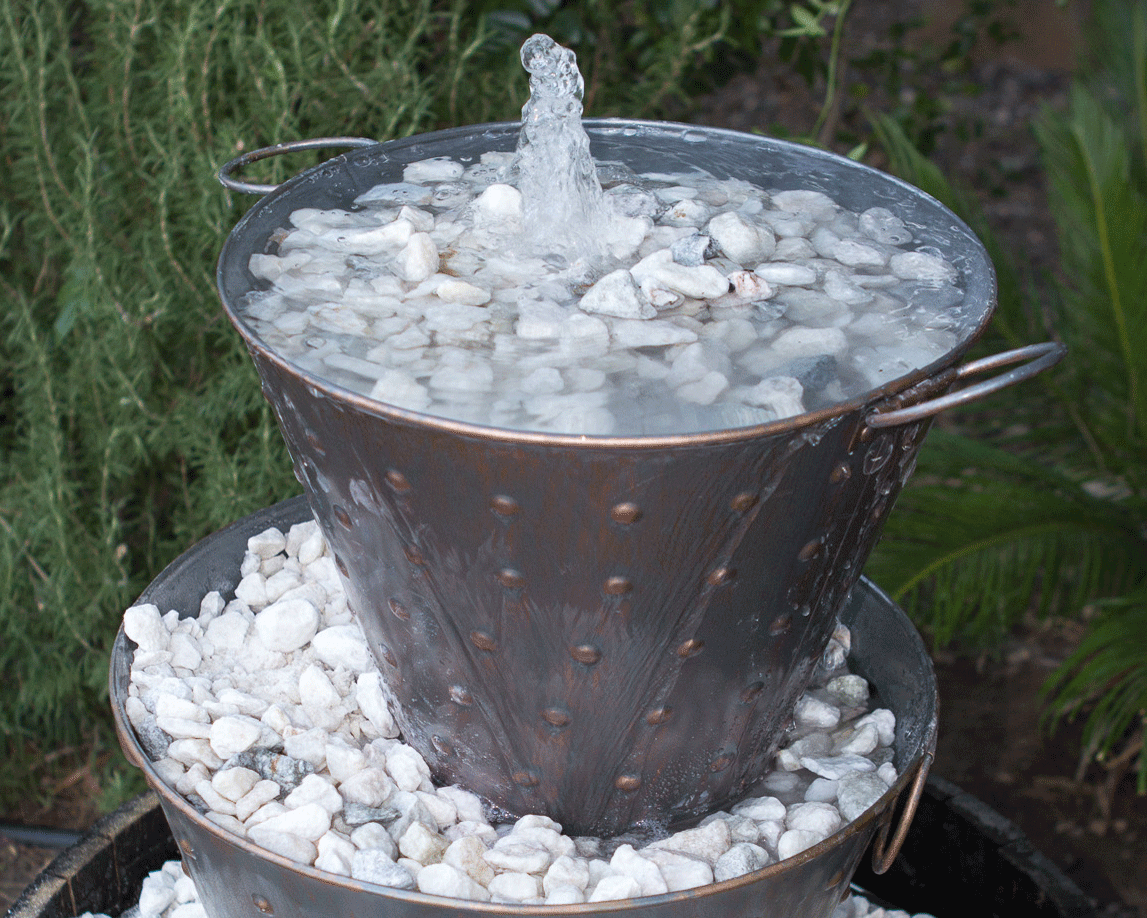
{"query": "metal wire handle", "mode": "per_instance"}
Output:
(1041, 357)
(293, 146)
(883, 851)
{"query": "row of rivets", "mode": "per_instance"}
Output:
(587, 654)
(625, 513)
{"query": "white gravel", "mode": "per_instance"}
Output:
(432, 288)
(285, 736)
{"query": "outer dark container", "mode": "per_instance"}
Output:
(607, 630)
(235, 879)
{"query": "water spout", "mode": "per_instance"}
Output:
(563, 207)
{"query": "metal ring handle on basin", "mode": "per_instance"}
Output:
(883, 851)
(1041, 357)
(294, 146)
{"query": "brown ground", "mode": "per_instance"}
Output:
(1095, 830)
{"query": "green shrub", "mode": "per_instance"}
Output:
(1042, 507)
(131, 420)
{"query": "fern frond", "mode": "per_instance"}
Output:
(984, 535)
(1099, 199)
(1108, 673)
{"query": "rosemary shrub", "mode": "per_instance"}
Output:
(131, 420)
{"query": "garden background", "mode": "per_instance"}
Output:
(131, 421)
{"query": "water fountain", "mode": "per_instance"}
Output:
(611, 629)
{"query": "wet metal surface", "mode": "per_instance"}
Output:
(607, 630)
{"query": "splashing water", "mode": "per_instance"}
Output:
(563, 207)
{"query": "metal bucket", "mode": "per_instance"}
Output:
(607, 630)
(235, 879)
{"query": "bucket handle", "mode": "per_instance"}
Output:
(1041, 357)
(883, 851)
(229, 169)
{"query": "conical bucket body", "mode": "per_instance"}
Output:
(611, 631)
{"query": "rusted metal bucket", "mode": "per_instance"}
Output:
(236, 879)
(607, 630)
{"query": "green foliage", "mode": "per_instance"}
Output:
(643, 57)
(131, 420)
(1043, 506)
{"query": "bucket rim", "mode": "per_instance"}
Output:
(939, 371)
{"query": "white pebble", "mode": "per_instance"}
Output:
(785, 273)
(315, 789)
(835, 767)
(627, 862)
(308, 822)
(144, 625)
(615, 887)
(420, 844)
(320, 699)
(617, 294)
(467, 855)
(373, 866)
(520, 856)
(739, 860)
(287, 625)
(857, 792)
(445, 880)
(343, 645)
(286, 844)
(232, 735)
(794, 841)
(708, 842)
(885, 723)
(923, 267)
(812, 712)
(515, 887)
(436, 169)
(742, 241)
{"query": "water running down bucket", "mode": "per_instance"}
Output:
(667, 595)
